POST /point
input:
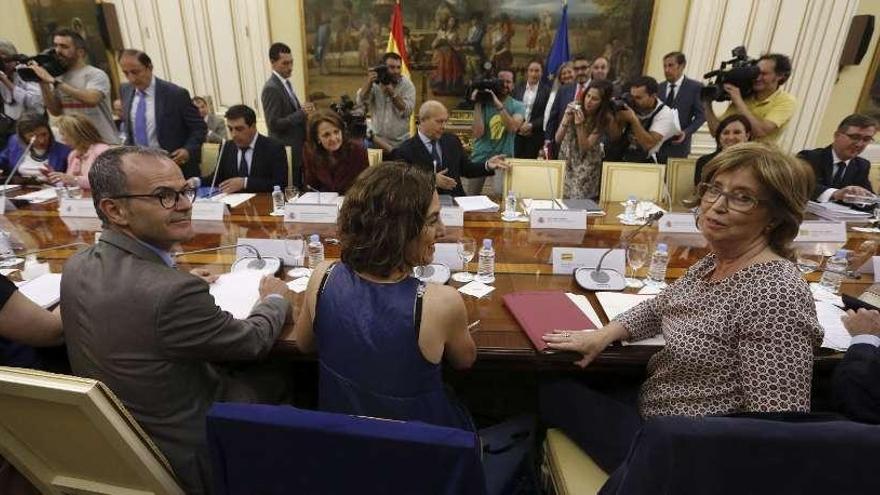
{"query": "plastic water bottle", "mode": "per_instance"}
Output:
(510, 205)
(315, 250)
(277, 199)
(486, 264)
(659, 260)
(630, 207)
(831, 281)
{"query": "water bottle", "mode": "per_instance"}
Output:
(510, 205)
(659, 260)
(831, 281)
(277, 199)
(486, 265)
(630, 207)
(315, 250)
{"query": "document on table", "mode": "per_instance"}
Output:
(44, 291)
(41, 196)
(615, 303)
(234, 199)
(237, 292)
(584, 305)
(314, 198)
(9, 187)
(836, 337)
(476, 203)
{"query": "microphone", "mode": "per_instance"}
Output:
(18, 163)
(53, 248)
(258, 262)
(217, 166)
(552, 192)
(606, 279)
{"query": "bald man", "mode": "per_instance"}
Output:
(442, 153)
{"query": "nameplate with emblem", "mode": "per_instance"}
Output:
(83, 208)
(821, 231)
(558, 219)
(452, 216)
(311, 212)
(208, 210)
(678, 223)
(565, 259)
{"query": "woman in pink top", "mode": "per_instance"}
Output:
(85, 141)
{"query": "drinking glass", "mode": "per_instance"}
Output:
(295, 245)
(862, 254)
(291, 193)
(74, 192)
(808, 262)
(636, 257)
(467, 247)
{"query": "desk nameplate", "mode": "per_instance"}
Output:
(311, 212)
(821, 231)
(452, 216)
(208, 210)
(80, 208)
(678, 223)
(558, 219)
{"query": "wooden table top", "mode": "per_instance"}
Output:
(522, 263)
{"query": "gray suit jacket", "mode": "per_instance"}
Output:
(286, 123)
(149, 332)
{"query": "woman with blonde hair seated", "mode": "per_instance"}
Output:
(740, 326)
(83, 138)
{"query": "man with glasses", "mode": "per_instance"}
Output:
(568, 93)
(839, 170)
(147, 330)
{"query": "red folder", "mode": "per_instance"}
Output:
(540, 312)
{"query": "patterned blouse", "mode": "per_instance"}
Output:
(743, 343)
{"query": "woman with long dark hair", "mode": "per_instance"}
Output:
(331, 161)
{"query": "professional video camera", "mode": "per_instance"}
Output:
(742, 72)
(382, 74)
(353, 117)
(46, 59)
(483, 88)
(621, 102)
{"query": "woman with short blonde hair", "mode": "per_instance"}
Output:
(78, 132)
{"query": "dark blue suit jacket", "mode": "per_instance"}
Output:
(856, 385)
(455, 159)
(178, 123)
(821, 160)
(564, 96)
(690, 114)
(268, 166)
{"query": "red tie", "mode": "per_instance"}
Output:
(579, 94)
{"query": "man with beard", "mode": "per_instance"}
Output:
(82, 89)
(390, 104)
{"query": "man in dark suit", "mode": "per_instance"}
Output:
(160, 114)
(682, 94)
(533, 93)
(442, 153)
(838, 168)
(147, 330)
(566, 94)
(285, 114)
(250, 161)
(856, 382)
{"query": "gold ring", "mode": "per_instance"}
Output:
(566, 335)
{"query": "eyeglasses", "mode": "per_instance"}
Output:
(167, 197)
(581, 67)
(859, 137)
(742, 203)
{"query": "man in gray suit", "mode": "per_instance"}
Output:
(285, 114)
(682, 94)
(147, 330)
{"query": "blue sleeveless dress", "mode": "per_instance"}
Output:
(367, 335)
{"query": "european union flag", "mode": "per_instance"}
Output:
(559, 52)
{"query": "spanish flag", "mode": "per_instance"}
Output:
(397, 45)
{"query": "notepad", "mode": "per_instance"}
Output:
(237, 292)
(44, 291)
(476, 203)
(40, 196)
(233, 200)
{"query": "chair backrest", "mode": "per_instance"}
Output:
(874, 176)
(622, 179)
(680, 178)
(374, 156)
(210, 151)
(71, 435)
(280, 450)
(744, 455)
(535, 179)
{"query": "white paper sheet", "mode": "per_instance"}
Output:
(584, 305)
(9, 187)
(476, 289)
(324, 198)
(234, 199)
(237, 292)
(615, 303)
(476, 203)
(298, 285)
(45, 290)
(41, 196)
(836, 337)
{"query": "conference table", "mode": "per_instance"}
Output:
(522, 264)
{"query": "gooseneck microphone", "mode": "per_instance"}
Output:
(21, 159)
(599, 278)
(217, 165)
(258, 262)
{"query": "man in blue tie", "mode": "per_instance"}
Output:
(839, 170)
(159, 114)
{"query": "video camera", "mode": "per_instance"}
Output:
(353, 117)
(483, 88)
(620, 103)
(382, 74)
(742, 73)
(45, 59)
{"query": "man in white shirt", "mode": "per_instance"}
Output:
(533, 93)
(16, 95)
(838, 168)
(650, 122)
(391, 103)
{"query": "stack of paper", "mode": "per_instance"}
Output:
(836, 336)
(40, 196)
(315, 198)
(476, 203)
(45, 290)
(9, 187)
(237, 292)
(837, 212)
(616, 303)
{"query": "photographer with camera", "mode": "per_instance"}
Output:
(767, 106)
(16, 95)
(81, 89)
(497, 118)
(649, 122)
(391, 98)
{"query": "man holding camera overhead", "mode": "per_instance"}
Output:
(768, 109)
(391, 98)
(81, 89)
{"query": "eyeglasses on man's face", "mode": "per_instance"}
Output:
(736, 201)
(859, 137)
(166, 196)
